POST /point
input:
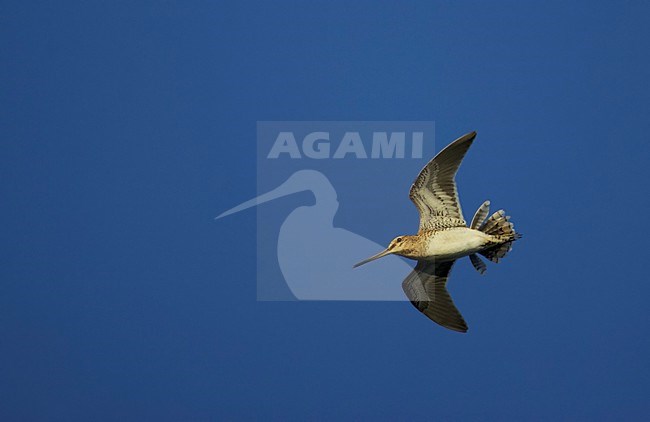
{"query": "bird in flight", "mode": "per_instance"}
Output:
(443, 237)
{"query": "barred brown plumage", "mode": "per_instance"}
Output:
(443, 236)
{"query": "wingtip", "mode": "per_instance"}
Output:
(462, 330)
(468, 137)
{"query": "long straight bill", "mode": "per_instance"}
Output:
(372, 258)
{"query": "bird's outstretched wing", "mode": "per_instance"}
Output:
(434, 191)
(426, 288)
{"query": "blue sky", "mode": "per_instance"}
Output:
(126, 127)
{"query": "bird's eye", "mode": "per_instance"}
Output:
(399, 239)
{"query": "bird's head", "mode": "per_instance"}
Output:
(401, 245)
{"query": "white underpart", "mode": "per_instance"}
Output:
(455, 243)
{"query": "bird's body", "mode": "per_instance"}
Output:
(445, 244)
(454, 243)
(443, 236)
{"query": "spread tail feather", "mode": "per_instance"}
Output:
(499, 226)
(496, 253)
(480, 215)
(478, 263)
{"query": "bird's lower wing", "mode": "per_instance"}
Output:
(426, 288)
